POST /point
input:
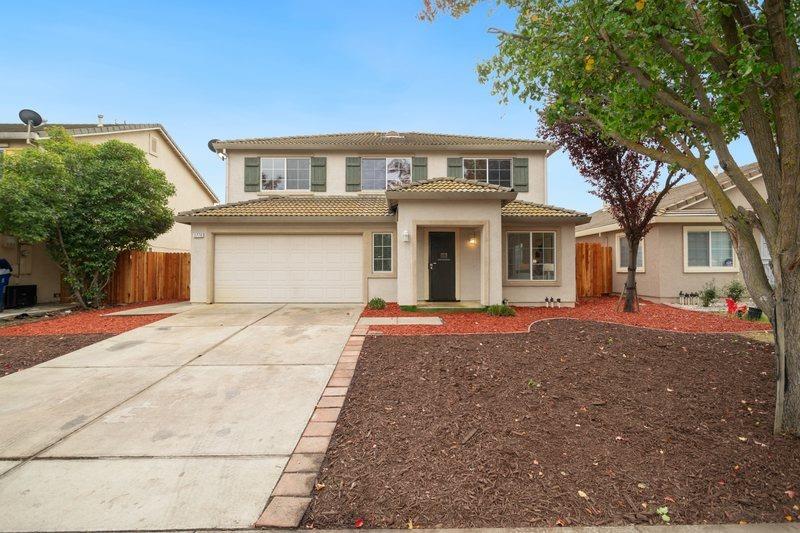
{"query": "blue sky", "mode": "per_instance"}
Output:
(247, 69)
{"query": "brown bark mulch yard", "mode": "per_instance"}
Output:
(574, 423)
(21, 352)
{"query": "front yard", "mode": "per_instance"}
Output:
(29, 342)
(574, 423)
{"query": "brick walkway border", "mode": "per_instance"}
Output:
(292, 494)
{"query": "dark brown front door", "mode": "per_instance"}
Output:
(442, 266)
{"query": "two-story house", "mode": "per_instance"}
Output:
(33, 267)
(407, 217)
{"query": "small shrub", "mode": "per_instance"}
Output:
(500, 310)
(377, 303)
(735, 290)
(709, 294)
(411, 308)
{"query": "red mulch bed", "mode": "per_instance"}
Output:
(652, 315)
(17, 353)
(82, 322)
(574, 423)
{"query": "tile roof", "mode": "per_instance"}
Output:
(449, 185)
(299, 206)
(386, 140)
(675, 199)
(520, 208)
(79, 129)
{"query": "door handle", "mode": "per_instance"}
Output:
(431, 265)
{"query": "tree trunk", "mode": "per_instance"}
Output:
(787, 349)
(630, 282)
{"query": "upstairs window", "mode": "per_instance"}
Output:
(379, 174)
(493, 171)
(281, 174)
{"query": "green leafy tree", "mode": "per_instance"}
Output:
(86, 202)
(693, 75)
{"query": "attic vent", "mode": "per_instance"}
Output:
(393, 135)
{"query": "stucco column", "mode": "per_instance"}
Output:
(495, 245)
(406, 261)
(202, 263)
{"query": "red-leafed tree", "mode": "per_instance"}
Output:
(628, 183)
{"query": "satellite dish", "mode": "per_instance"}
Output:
(211, 145)
(29, 116)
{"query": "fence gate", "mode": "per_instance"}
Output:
(592, 269)
(149, 276)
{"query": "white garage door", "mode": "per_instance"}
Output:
(288, 268)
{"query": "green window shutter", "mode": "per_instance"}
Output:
(252, 174)
(419, 170)
(520, 180)
(318, 174)
(455, 167)
(353, 174)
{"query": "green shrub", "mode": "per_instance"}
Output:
(377, 303)
(410, 308)
(709, 294)
(735, 290)
(500, 310)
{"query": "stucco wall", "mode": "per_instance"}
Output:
(43, 272)
(335, 165)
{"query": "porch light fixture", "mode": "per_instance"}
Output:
(406, 236)
(473, 239)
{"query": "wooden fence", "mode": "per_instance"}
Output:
(149, 276)
(592, 269)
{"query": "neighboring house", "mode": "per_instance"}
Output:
(407, 217)
(687, 246)
(32, 264)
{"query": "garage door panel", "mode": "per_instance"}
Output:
(288, 268)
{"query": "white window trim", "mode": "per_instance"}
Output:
(386, 172)
(622, 269)
(509, 159)
(150, 138)
(530, 246)
(701, 229)
(285, 172)
(391, 252)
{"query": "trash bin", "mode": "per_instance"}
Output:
(5, 277)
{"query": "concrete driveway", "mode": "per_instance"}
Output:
(186, 423)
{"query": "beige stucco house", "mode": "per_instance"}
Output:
(407, 217)
(33, 266)
(687, 246)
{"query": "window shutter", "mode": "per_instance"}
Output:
(318, 174)
(353, 174)
(252, 174)
(455, 167)
(520, 180)
(420, 168)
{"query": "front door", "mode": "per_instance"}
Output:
(442, 266)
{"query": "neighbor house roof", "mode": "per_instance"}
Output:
(675, 200)
(386, 141)
(19, 131)
(364, 206)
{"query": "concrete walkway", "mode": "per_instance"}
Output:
(186, 423)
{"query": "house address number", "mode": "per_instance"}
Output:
(198, 234)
